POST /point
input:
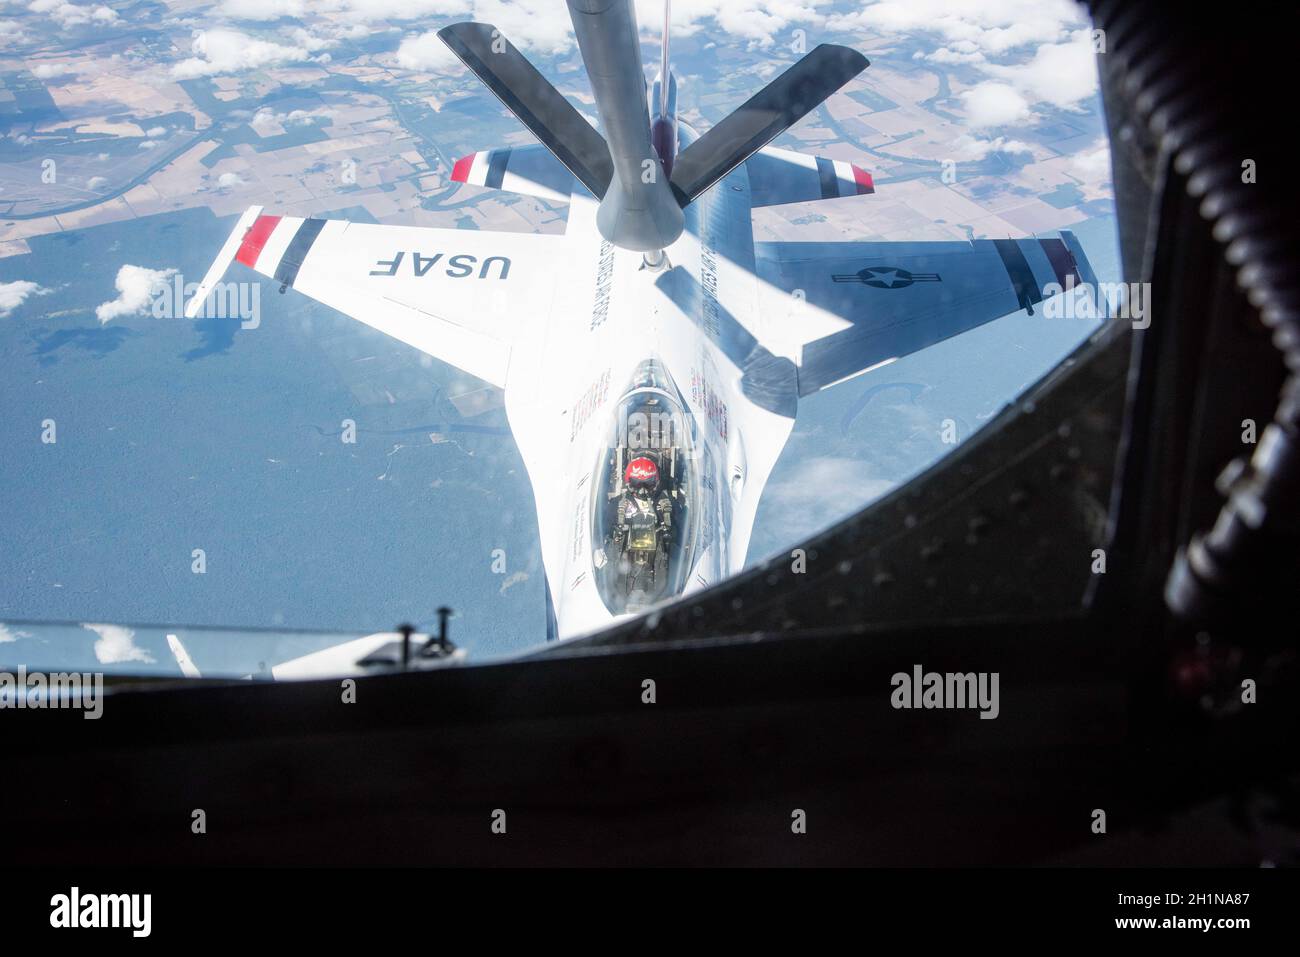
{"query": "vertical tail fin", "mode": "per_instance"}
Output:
(663, 124)
(664, 71)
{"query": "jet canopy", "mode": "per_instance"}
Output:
(645, 496)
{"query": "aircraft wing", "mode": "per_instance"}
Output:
(851, 306)
(452, 293)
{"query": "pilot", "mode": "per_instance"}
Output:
(640, 510)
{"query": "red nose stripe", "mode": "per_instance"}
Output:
(863, 179)
(255, 239)
(460, 172)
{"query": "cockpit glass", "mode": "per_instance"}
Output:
(645, 496)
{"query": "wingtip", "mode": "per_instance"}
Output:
(469, 26)
(863, 180)
(851, 56)
(460, 172)
(229, 253)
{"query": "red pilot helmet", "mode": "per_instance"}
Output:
(642, 473)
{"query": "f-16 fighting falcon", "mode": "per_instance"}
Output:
(653, 355)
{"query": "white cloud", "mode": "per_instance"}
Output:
(992, 27)
(155, 131)
(762, 24)
(973, 148)
(268, 119)
(821, 490)
(116, 645)
(1062, 74)
(229, 51)
(535, 26)
(310, 41)
(264, 9)
(980, 33)
(136, 286)
(8, 635)
(426, 53)
(540, 26)
(366, 11)
(964, 51)
(51, 71)
(229, 180)
(73, 15)
(969, 32)
(995, 104)
(97, 182)
(14, 294)
(1094, 164)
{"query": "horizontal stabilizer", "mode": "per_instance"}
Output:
(768, 113)
(780, 176)
(528, 170)
(538, 105)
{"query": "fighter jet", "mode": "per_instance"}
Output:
(653, 355)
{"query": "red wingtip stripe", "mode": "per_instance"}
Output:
(255, 239)
(863, 179)
(460, 172)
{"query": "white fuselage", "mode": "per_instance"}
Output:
(696, 319)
